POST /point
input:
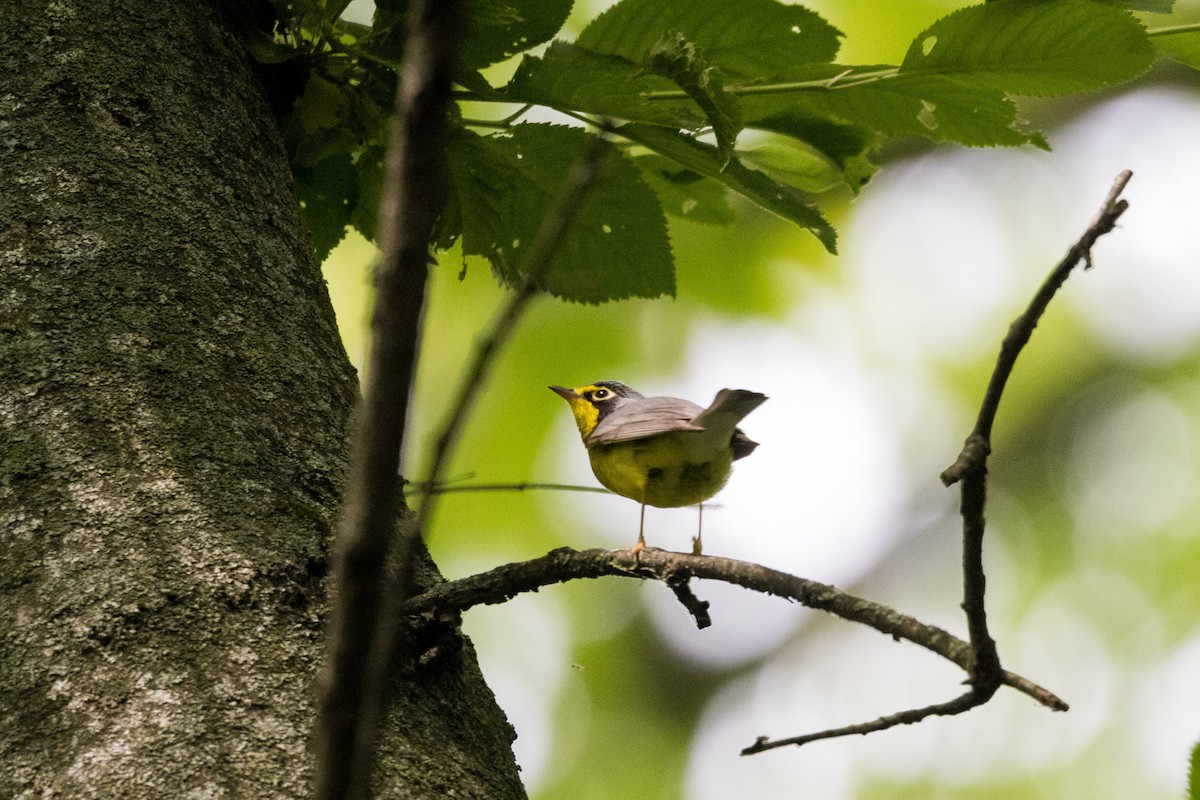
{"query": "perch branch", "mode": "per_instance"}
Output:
(351, 686)
(558, 566)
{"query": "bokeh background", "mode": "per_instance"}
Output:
(875, 362)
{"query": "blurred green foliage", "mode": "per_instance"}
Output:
(1092, 546)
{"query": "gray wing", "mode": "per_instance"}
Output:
(646, 417)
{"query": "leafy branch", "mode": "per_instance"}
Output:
(681, 79)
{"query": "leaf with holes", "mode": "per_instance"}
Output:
(1034, 48)
(778, 198)
(567, 77)
(504, 184)
(746, 39)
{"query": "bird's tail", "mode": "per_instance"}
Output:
(728, 408)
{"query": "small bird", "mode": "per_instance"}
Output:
(661, 451)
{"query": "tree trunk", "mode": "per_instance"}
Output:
(174, 402)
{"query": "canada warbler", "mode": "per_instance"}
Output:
(661, 451)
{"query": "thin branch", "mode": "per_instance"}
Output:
(680, 584)
(1022, 327)
(351, 688)
(843, 80)
(962, 703)
(564, 564)
(448, 488)
(582, 178)
(971, 465)
(981, 659)
(846, 79)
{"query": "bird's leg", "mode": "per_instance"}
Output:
(697, 545)
(641, 542)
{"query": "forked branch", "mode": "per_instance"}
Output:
(982, 663)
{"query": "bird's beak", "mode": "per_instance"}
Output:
(564, 393)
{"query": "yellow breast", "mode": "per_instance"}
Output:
(659, 472)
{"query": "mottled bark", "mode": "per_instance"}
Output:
(174, 402)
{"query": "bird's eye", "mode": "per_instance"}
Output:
(601, 394)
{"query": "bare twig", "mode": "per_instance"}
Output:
(975, 450)
(981, 659)
(680, 584)
(971, 465)
(964, 702)
(558, 566)
(414, 184)
(449, 488)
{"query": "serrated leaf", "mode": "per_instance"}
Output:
(686, 194)
(569, 77)
(326, 192)
(747, 38)
(778, 198)
(504, 184)
(674, 57)
(500, 29)
(1182, 46)
(968, 111)
(1034, 47)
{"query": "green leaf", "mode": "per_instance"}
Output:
(368, 179)
(967, 110)
(747, 38)
(1153, 6)
(570, 78)
(504, 184)
(676, 58)
(1034, 47)
(323, 105)
(793, 162)
(1179, 45)
(327, 193)
(1194, 774)
(778, 198)
(848, 146)
(686, 194)
(499, 29)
